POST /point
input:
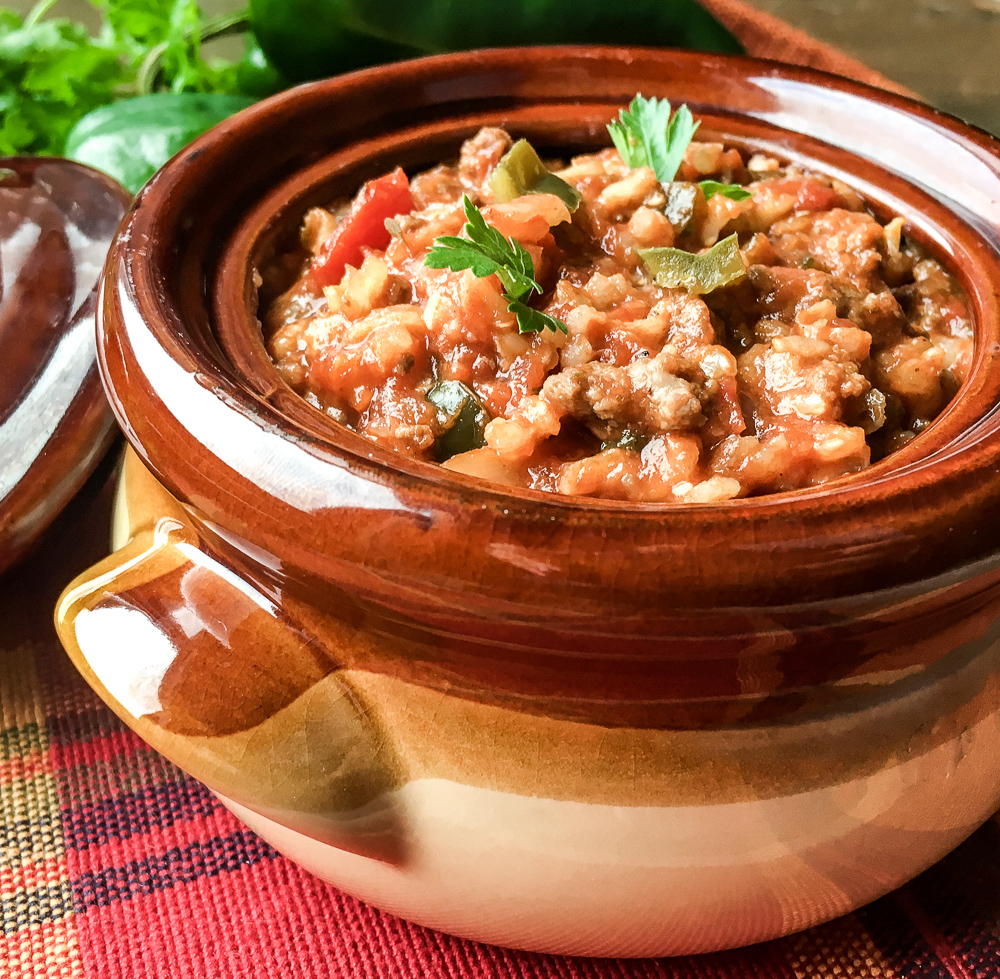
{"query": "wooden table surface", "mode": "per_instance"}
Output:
(948, 51)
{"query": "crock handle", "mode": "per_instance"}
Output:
(214, 675)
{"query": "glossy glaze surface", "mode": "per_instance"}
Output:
(325, 519)
(351, 648)
(57, 219)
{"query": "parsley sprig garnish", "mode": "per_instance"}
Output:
(646, 135)
(485, 251)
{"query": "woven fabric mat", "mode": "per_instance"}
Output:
(114, 864)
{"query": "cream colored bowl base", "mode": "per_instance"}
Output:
(585, 879)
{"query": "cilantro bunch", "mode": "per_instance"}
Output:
(53, 71)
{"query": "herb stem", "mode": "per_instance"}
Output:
(237, 22)
(486, 251)
(221, 26)
(148, 71)
(37, 12)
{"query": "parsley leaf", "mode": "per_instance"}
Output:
(733, 191)
(514, 266)
(626, 134)
(51, 73)
(646, 135)
(531, 320)
(459, 254)
(679, 135)
(488, 252)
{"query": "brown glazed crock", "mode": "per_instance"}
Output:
(555, 723)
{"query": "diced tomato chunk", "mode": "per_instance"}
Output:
(731, 421)
(363, 226)
(816, 196)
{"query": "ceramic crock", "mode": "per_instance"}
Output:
(552, 723)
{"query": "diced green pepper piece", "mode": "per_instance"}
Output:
(522, 172)
(672, 268)
(461, 417)
(629, 440)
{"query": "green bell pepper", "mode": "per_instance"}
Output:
(255, 75)
(673, 268)
(133, 138)
(629, 440)
(521, 171)
(308, 39)
(461, 417)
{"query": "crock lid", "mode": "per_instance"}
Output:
(57, 219)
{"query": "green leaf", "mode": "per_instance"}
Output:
(679, 135)
(511, 263)
(673, 268)
(487, 252)
(653, 122)
(67, 78)
(626, 134)
(145, 22)
(491, 241)
(16, 135)
(459, 254)
(645, 135)
(132, 139)
(531, 320)
(521, 280)
(53, 73)
(733, 191)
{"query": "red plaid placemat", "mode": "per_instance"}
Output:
(115, 864)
